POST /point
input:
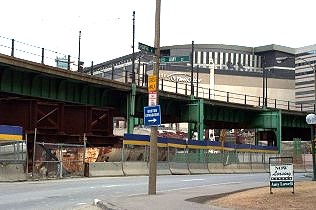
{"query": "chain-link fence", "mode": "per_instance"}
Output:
(57, 160)
(13, 160)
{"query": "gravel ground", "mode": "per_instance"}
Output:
(260, 198)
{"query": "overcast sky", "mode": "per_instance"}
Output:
(106, 25)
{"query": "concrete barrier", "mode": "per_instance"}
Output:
(258, 168)
(163, 168)
(98, 169)
(135, 168)
(198, 168)
(12, 172)
(299, 168)
(267, 167)
(216, 168)
(230, 168)
(243, 168)
(179, 168)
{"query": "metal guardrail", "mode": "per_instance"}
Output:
(48, 57)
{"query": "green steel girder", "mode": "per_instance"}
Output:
(270, 119)
(294, 121)
(42, 86)
(225, 114)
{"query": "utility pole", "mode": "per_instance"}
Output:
(79, 52)
(197, 81)
(154, 129)
(133, 46)
(263, 81)
(192, 52)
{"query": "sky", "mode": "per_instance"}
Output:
(107, 27)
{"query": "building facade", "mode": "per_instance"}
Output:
(217, 69)
(305, 76)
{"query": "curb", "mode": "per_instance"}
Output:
(105, 206)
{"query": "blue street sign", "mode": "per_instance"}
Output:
(152, 116)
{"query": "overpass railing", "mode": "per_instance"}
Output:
(36, 54)
(123, 73)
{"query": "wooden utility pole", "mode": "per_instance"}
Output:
(154, 129)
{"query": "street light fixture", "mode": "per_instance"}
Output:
(310, 118)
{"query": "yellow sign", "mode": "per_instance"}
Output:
(152, 83)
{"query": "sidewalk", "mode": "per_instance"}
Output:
(174, 200)
(185, 199)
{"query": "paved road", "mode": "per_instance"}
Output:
(72, 193)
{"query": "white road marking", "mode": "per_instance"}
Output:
(191, 180)
(78, 204)
(113, 185)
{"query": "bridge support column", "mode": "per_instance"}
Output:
(131, 109)
(270, 120)
(196, 118)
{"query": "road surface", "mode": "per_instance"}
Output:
(72, 193)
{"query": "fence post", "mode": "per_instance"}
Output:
(112, 72)
(227, 97)
(186, 89)
(275, 103)
(42, 55)
(176, 87)
(288, 105)
(91, 72)
(209, 93)
(84, 152)
(161, 84)
(125, 75)
(245, 99)
(259, 101)
(301, 107)
(68, 64)
(34, 152)
(60, 162)
(12, 48)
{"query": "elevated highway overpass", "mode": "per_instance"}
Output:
(57, 98)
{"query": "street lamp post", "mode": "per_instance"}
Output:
(133, 46)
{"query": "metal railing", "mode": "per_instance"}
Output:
(124, 74)
(34, 53)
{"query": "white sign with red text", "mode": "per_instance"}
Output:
(152, 98)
